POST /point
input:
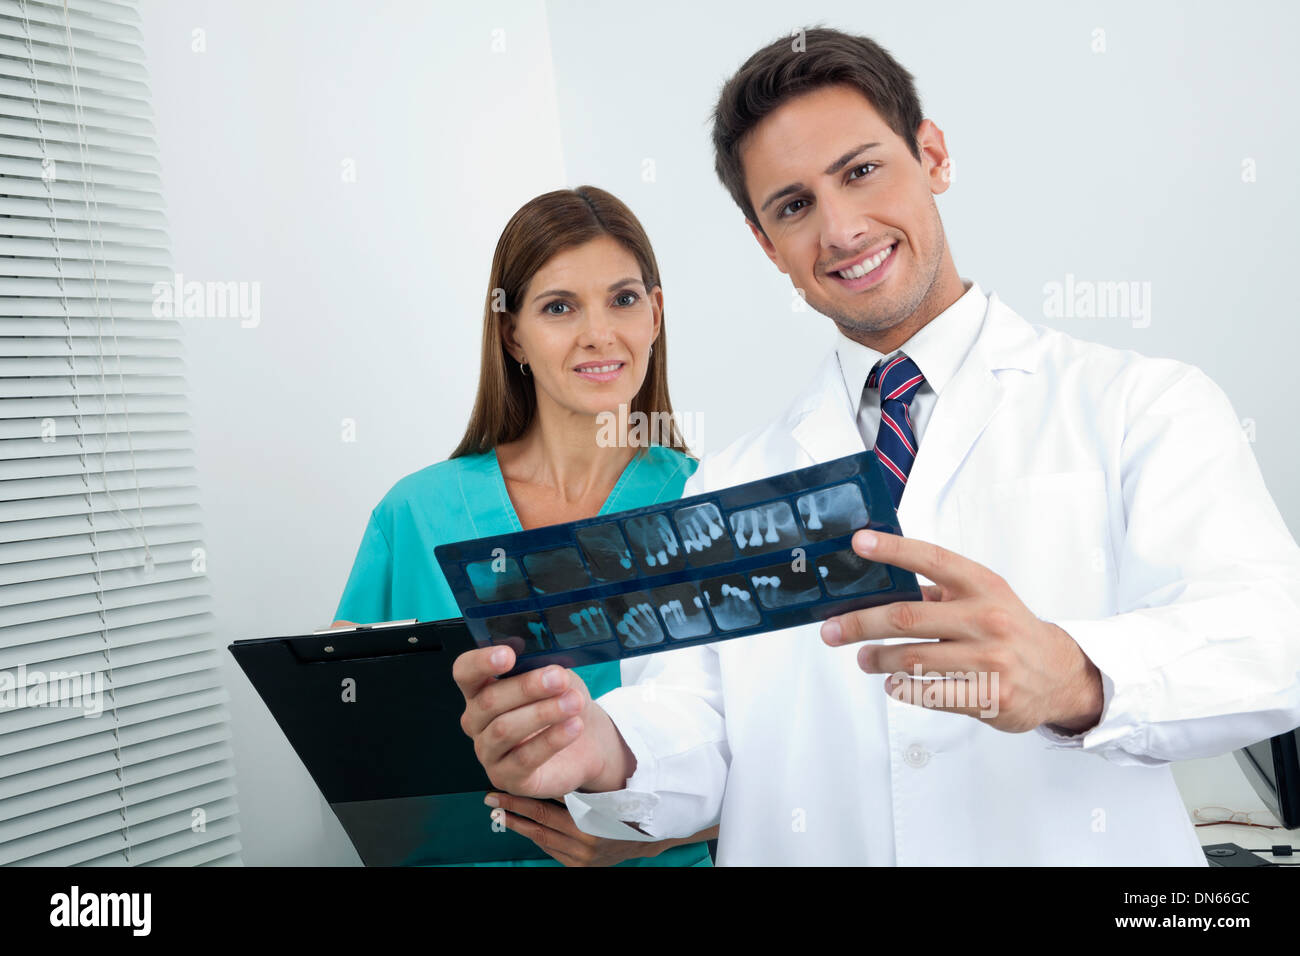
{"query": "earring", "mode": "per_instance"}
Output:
(523, 369)
(652, 350)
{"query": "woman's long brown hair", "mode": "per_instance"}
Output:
(506, 402)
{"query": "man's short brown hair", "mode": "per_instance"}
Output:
(785, 69)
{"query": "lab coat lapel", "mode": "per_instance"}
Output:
(823, 422)
(824, 426)
(968, 403)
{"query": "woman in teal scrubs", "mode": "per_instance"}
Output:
(572, 392)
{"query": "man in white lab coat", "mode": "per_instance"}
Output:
(1107, 576)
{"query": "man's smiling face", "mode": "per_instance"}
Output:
(836, 191)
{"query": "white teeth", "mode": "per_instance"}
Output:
(600, 368)
(862, 268)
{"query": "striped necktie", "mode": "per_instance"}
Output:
(896, 441)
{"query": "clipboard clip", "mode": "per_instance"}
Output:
(365, 627)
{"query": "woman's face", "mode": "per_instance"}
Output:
(585, 326)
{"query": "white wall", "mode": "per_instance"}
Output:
(371, 294)
(1123, 165)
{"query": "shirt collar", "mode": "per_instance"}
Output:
(938, 348)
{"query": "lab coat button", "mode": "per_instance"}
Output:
(916, 755)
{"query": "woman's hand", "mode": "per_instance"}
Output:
(551, 827)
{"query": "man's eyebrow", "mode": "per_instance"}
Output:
(830, 170)
(629, 280)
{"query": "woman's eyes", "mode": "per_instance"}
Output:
(631, 297)
(786, 210)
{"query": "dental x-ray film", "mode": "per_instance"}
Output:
(749, 559)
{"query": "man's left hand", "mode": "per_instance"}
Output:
(979, 625)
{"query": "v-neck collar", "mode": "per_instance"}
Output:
(508, 506)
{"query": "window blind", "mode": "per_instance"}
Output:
(101, 552)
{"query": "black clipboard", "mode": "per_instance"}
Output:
(392, 762)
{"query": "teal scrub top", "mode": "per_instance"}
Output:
(395, 576)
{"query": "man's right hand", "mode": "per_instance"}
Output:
(538, 734)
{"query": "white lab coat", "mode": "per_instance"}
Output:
(1120, 498)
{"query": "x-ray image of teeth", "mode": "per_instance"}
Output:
(654, 543)
(731, 602)
(524, 632)
(606, 553)
(704, 537)
(847, 572)
(554, 571)
(682, 611)
(634, 619)
(575, 624)
(780, 586)
(735, 561)
(833, 511)
(768, 527)
(497, 580)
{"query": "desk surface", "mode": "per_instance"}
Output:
(1219, 782)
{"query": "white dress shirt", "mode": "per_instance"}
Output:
(938, 349)
(1119, 499)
